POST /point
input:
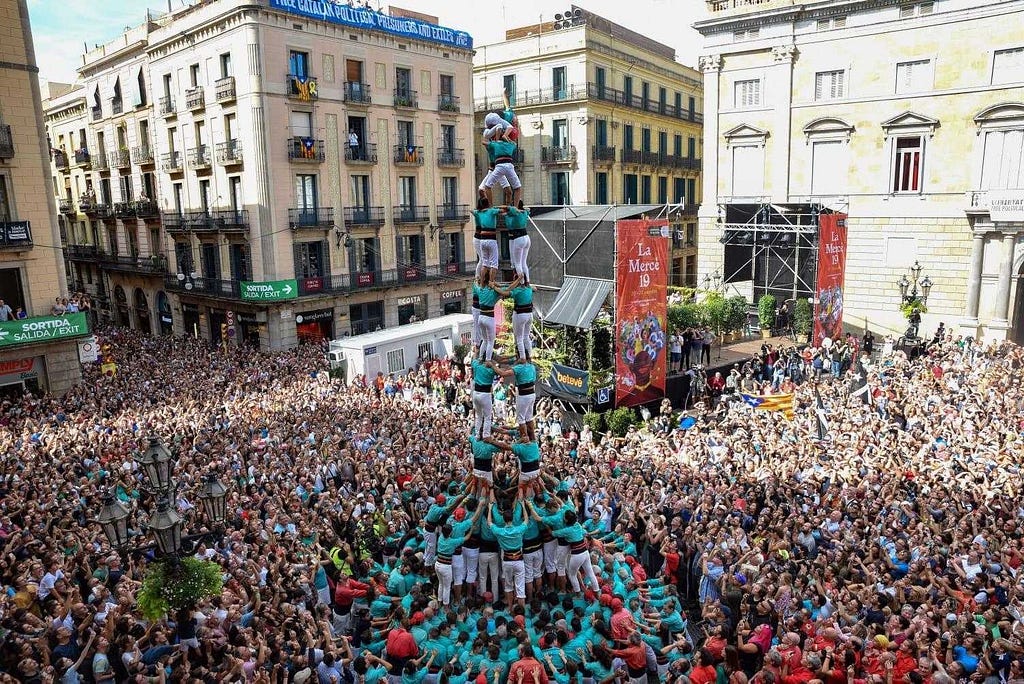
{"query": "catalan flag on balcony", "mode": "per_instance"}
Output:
(308, 148)
(410, 154)
(771, 402)
(305, 87)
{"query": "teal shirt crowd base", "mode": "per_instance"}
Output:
(516, 219)
(525, 373)
(486, 219)
(500, 148)
(488, 297)
(526, 453)
(510, 537)
(482, 373)
(522, 295)
(482, 450)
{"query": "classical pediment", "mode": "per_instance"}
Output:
(910, 122)
(828, 128)
(1005, 112)
(745, 133)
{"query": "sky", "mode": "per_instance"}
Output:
(59, 27)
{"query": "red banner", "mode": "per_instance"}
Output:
(828, 300)
(640, 310)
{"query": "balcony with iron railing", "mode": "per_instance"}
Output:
(220, 220)
(99, 161)
(171, 162)
(195, 99)
(451, 157)
(564, 154)
(224, 89)
(302, 149)
(229, 152)
(630, 156)
(142, 155)
(102, 211)
(448, 103)
(303, 88)
(150, 263)
(211, 287)
(355, 93)
(408, 155)
(199, 157)
(124, 209)
(116, 106)
(66, 206)
(602, 153)
(411, 213)
(87, 203)
(60, 160)
(364, 216)
(317, 218)
(120, 159)
(453, 213)
(365, 153)
(166, 106)
(6, 142)
(648, 158)
(145, 208)
(592, 91)
(83, 158)
(406, 98)
(83, 252)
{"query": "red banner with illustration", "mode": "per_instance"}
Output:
(828, 299)
(641, 284)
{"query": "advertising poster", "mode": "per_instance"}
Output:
(640, 310)
(828, 299)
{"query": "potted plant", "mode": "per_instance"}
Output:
(736, 317)
(766, 314)
(803, 319)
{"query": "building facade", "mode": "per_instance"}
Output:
(906, 116)
(40, 351)
(607, 116)
(289, 177)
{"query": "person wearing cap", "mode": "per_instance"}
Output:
(509, 533)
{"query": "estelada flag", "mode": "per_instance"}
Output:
(109, 369)
(771, 402)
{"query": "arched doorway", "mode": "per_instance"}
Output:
(142, 316)
(121, 315)
(163, 307)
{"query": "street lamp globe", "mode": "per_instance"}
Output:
(904, 285)
(158, 464)
(113, 518)
(915, 271)
(926, 286)
(166, 526)
(213, 498)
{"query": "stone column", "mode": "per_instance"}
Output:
(974, 279)
(1002, 311)
(710, 252)
(782, 93)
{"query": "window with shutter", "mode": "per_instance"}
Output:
(913, 77)
(906, 11)
(829, 85)
(908, 164)
(839, 22)
(1008, 66)
(1003, 165)
(747, 93)
(925, 8)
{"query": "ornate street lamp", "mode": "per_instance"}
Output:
(926, 287)
(213, 499)
(915, 271)
(904, 285)
(166, 526)
(113, 518)
(157, 463)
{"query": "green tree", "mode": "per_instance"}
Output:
(766, 311)
(620, 420)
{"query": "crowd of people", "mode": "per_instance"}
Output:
(741, 548)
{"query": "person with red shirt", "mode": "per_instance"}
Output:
(622, 622)
(703, 671)
(635, 657)
(527, 669)
(803, 672)
(346, 590)
(401, 646)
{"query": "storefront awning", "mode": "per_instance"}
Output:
(578, 301)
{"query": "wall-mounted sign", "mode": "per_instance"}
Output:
(452, 294)
(1006, 205)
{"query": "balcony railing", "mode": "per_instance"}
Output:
(6, 142)
(82, 158)
(124, 209)
(83, 252)
(448, 103)
(594, 91)
(167, 106)
(60, 160)
(224, 89)
(223, 220)
(320, 217)
(171, 162)
(408, 155)
(648, 158)
(305, 150)
(558, 155)
(152, 263)
(631, 156)
(406, 99)
(120, 159)
(602, 153)
(145, 208)
(142, 155)
(87, 203)
(304, 88)
(99, 161)
(453, 212)
(451, 157)
(213, 287)
(356, 93)
(412, 214)
(229, 152)
(15, 234)
(103, 210)
(364, 216)
(199, 157)
(116, 106)
(97, 113)
(195, 99)
(67, 206)
(365, 153)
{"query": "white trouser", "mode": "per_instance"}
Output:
(524, 408)
(471, 559)
(458, 569)
(481, 421)
(581, 562)
(521, 331)
(487, 253)
(500, 411)
(503, 174)
(444, 582)
(487, 334)
(430, 551)
(489, 566)
(550, 556)
(534, 562)
(561, 560)
(519, 249)
(493, 177)
(513, 575)
(475, 335)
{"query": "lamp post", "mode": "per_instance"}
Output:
(914, 293)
